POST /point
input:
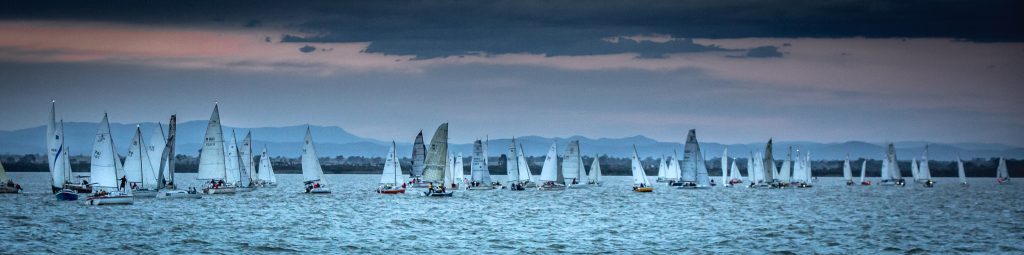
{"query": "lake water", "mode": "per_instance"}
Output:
(830, 218)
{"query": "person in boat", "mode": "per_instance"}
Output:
(124, 182)
(712, 182)
(85, 182)
(403, 185)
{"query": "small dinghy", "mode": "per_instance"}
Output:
(392, 180)
(573, 172)
(266, 176)
(67, 195)
(595, 172)
(960, 172)
(550, 176)
(640, 182)
(9, 186)
(891, 175)
(312, 172)
(512, 172)
(103, 170)
(863, 171)
(1002, 174)
(59, 162)
(436, 166)
(167, 163)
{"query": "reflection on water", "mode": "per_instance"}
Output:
(830, 218)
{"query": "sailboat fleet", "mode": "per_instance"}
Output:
(225, 167)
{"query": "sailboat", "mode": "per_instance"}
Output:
(267, 178)
(248, 171)
(512, 168)
(691, 162)
(802, 176)
(549, 174)
(890, 169)
(595, 172)
(418, 157)
(662, 169)
(435, 162)
(525, 174)
(735, 177)
(166, 166)
(312, 173)
(103, 170)
(674, 170)
(454, 171)
(640, 182)
(138, 168)
(787, 174)
(1002, 174)
(59, 162)
(480, 176)
(725, 166)
(9, 186)
(863, 171)
(924, 172)
(847, 171)
(960, 171)
(391, 180)
(573, 170)
(212, 169)
(232, 163)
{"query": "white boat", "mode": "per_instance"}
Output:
(512, 168)
(787, 172)
(525, 174)
(640, 182)
(166, 167)
(674, 170)
(694, 172)
(312, 172)
(435, 164)
(662, 169)
(233, 165)
(267, 178)
(863, 172)
(392, 181)
(480, 176)
(550, 177)
(248, 166)
(595, 172)
(960, 171)
(213, 172)
(802, 176)
(891, 175)
(735, 177)
(103, 171)
(573, 172)
(924, 172)
(60, 164)
(138, 168)
(1002, 173)
(847, 171)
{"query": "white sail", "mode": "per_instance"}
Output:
(914, 170)
(449, 171)
(571, 163)
(674, 171)
(752, 169)
(392, 174)
(512, 163)
(266, 171)
(703, 179)
(734, 172)
(725, 166)
(691, 155)
(3, 174)
(418, 156)
(1001, 171)
(231, 163)
(960, 170)
(311, 169)
(885, 169)
(437, 156)
(55, 150)
(924, 171)
(639, 176)
(768, 163)
(595, 171)
(478, 165)
(104, 163)
(549, 172)
(248, 166)
(211, 157)
(662, 168)
(787, 168)
(137, 165)
(863, 169)
(894, 167)
(525, 174)
(459, 171)
(155, 148)
(847, 171)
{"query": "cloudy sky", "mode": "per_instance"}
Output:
(737, 71)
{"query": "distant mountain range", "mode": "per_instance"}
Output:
(334, 141)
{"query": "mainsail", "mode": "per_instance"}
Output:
(55, 150)
(572, 164)
(311, 169)
(847, 171)
(266, 171)
(787, 168)
(418, 156)
(691, 157)
(674, 170)
(725, 166)
(525, 174)
(924, 172)
(211, 158)
(437, 156)
(734, 171)
(248, 167)
(960, 170)
(1002, 172)
(232, 164)
(894, 167)
(155, 146)
(863, 169)
(662, 168)
(768, 163)
(512, 163)
(595, 171)
(478, 165)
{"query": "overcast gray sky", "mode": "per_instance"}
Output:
(738, 71)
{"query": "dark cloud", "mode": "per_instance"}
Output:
(764, 52)
(307, 49)
(430, 29)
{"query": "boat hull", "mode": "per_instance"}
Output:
(110, 200)
(483, 188)
(78, 188)
(144, 193)
(438, 194)
(67, 195)
(577, 186)
(320, 190)
(219, 191)
(177, 194)
(391, 191)
(551, 187)
(643, 189)
(9, 190)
